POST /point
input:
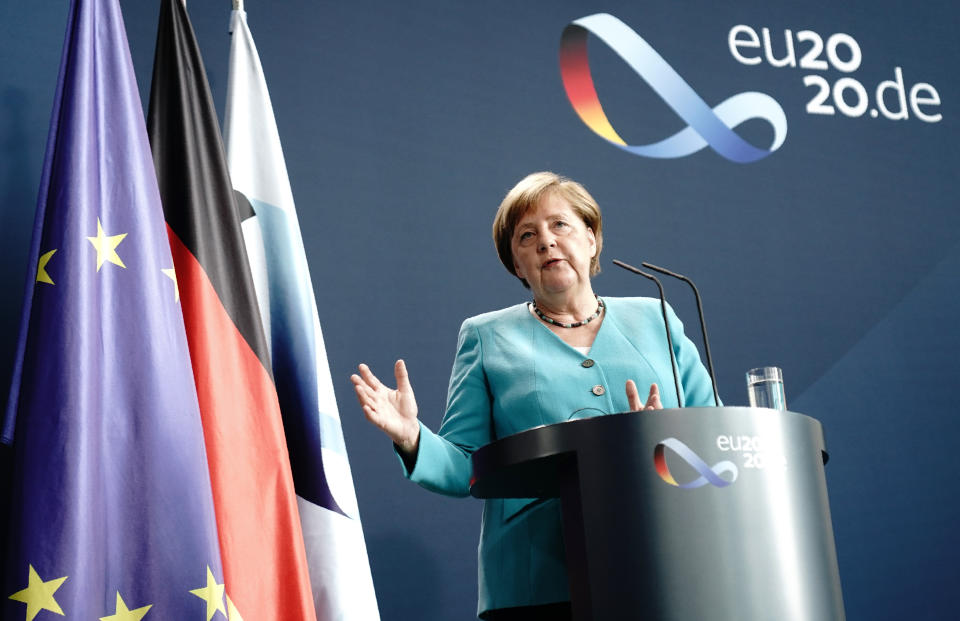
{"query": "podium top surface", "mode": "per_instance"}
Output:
(526, 464)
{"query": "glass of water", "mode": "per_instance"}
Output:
(765, 388)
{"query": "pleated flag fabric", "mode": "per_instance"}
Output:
(264, 563)
(336, 551)
(111, 514)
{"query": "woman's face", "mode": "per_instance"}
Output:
(553, 247)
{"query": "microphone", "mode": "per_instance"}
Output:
(703, 323)
(666, 324)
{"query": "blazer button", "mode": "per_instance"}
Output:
(586, 364)
(598, 390)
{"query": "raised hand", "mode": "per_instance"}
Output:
(633, 398)
(394, 411)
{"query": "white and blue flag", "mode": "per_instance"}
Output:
(336, 551)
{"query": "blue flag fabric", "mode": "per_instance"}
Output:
(111, 512)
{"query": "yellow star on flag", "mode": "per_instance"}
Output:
(39, 595)
(171, 273)
(212, 594)
(124, 614)
(106, 246)
(232, 613)
(42, 275)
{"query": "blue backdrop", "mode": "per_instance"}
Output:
(837, 257)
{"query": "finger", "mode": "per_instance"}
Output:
(633, 396)
(653, 399)
(403, 378)
(384, 424)
(367, 394)
(369, 377)
(363, 395)
(365, 391)
(372, 416)
(357, 380)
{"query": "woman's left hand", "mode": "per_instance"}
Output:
(633, 398)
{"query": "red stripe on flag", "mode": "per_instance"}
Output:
(264, 561)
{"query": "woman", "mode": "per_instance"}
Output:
(567, 354)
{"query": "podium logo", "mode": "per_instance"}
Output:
(708, 474)
(705, 125)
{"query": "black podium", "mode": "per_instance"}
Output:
(694, 514)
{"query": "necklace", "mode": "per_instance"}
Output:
(575, 324)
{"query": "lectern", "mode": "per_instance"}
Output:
(692, 514)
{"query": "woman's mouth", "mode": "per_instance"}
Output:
(550, 263)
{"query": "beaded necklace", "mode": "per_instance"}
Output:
(575, 324)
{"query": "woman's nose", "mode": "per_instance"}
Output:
(547, 241)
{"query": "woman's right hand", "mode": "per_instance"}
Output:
(393, 411)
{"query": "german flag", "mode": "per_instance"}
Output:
(264, 564)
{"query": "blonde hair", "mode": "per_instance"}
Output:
(526, 195)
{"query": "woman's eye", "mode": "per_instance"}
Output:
(525, 235)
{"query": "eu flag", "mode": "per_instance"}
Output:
(111, 511)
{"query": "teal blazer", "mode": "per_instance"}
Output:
(512, 373)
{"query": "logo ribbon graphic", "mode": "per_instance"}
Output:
(705, 125)
(708, 474)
